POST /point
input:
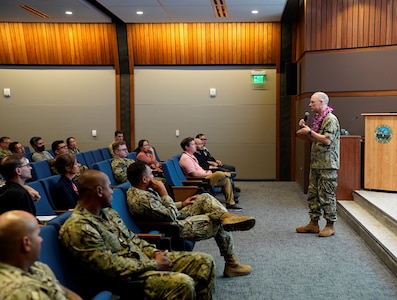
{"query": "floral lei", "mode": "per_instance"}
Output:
(318, 119)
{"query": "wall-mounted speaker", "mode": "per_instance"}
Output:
(291, 78)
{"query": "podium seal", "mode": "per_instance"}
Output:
(383, 134)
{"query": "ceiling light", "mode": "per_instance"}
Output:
(68, 12)
(139, 12)
(254, 12)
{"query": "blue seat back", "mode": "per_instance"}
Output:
(40, 169)
(80, 158)
(27, 149)
(59, 220)
(120, 205)
(56, 257)
(89, 158)
(53, 255)
(48, 184)
(43, 206)
(178, 169)
(132, 155)
(97, 155)
(51, 152)
(105, 167)
(155, 154)
(170, 174)
(105, 153)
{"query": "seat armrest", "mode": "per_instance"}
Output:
(149, 235)
(181, 193)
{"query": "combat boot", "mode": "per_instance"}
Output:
(232, 222)
(312, 227)
(234, 268)
(328, 230)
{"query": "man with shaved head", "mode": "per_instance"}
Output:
(109, 255)
(21, 275)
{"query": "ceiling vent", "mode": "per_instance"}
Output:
(34, 11)
(220, 8)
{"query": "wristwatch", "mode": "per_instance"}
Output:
(310, 132)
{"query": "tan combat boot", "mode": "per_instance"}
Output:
(312, 227)
(328, 230)
(232, 222)
(234, 268)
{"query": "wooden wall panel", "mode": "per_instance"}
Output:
(347, 24)
(58, 44)
(204, 43)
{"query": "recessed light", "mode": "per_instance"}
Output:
(139, 12)
(254, 12)
(68, 12)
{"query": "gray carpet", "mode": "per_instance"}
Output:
(288, 265)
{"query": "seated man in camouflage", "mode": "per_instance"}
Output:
(21, 275)
(120, 162)
(110, 255)
(205, 216)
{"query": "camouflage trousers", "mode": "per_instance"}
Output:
(191, 276)
(321, 194)
(204, 223)
(223, 180)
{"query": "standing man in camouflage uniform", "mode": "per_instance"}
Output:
(324, 165)
(21, 275)
(120, 162)
(205, 216)
(102, 245)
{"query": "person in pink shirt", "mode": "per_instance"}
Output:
(145, 154)
(191, 168)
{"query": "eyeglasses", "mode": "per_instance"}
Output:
(63, 147)
(25, 165)
(203, 139)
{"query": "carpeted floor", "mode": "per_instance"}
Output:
(288, 265)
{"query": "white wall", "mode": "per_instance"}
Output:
(56, 103)
(240, 122)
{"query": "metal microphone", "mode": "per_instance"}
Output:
(306, 116)
(344, 131)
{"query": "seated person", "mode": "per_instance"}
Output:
(120, 162)
(208, 165)
(191, 167)
(72, 145)
(110, 255)
(65, 194)
(39, 154)
(145, 154)
(59, 147)
(118, 137)
(205, 218)
(4, 146)
(17, 148)
(210, 158)
(16, 170)
(21, 275)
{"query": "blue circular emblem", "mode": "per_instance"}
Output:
(383, 134)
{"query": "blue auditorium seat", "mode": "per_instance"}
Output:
(40, 169)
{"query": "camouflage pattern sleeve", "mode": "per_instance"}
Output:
(39, 283)
(151, 205)
(119, 168)
(106, 246)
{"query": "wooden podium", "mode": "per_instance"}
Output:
(380, 159)
(349, 173)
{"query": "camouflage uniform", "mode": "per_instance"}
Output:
(119, 168)
(104, 245)
(5, 152)
(39, 283)
(202, 223)
(323, 177)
